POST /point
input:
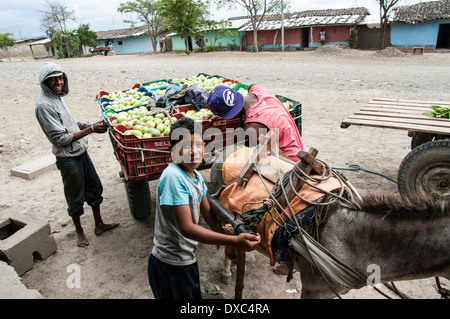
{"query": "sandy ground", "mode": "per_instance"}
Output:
(331, 85)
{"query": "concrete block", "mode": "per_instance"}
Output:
(12, 287)
(23, 239)
(34, 168)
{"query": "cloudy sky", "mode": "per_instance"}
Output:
(22, 17)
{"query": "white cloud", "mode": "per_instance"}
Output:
(22, 17)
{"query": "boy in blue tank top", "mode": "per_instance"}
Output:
(180, 199)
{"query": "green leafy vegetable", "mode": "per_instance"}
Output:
(439, 111)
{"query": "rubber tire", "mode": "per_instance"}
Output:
(139, 198)
(420, 138)
(425, 171)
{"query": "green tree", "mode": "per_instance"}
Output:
(221, 30)
(6, 41)
(56, 18)
(184, 17)
(385, 8)
(86, 37)
(353, 39)
(256, 9)
(148, 12)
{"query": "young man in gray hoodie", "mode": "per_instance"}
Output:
(70, 143)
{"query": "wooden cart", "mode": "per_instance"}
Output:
(425, 171)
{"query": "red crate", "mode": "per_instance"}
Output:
(226, 127)
(141, 157)
(235, 82)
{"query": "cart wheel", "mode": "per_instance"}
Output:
(139, 199)
(425, 171)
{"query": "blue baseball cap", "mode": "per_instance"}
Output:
(225, 102)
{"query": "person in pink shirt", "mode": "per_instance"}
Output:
(262, 112)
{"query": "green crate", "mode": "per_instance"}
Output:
(205, 74)
(218, 76)
(241, 85)
(295, 111)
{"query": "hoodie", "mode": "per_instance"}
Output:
(55, 119)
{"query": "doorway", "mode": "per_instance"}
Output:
(305, 38)
(443, 41)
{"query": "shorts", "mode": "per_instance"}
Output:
(173, 282)
(81, 183)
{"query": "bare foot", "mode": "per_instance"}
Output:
(282, 269)
(82, 241)
(100, 229)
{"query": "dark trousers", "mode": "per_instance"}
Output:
(81, 183)
(173, 282)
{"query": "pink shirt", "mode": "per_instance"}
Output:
(270, 112)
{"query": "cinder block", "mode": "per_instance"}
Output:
(34, 168)
(22, 239)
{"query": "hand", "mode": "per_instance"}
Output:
(248, 242)
(99, 127)
(211, 118)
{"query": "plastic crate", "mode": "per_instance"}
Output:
(114, 113)
(241, 85)
(225, 128)
(217, 76)
(141, 157)
(105, 101)
(295, 111)
(159, 87)
(235, 82)
(103, 93)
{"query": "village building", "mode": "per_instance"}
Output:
(131, 40)
(425, 25)
(220, 36)
(302, 29)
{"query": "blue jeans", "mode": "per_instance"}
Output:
(173, 282)
(81, 183)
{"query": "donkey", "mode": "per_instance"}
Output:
(403, 238)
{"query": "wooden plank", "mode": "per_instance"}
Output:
(400, 107)
(34, 168)
(413, 101)
(391, 110)
(400, 114)
(402, 126)
(416, 116)
(444, 124)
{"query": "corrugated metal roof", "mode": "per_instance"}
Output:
(313, 18)
(121, 33)
(421, 12)
(43, 41)
(238, 22)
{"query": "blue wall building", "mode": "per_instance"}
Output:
(424, 24)
(128, 41)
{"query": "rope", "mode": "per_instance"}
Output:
(308, 242)
(356, 167)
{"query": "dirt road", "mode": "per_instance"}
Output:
(331, 85)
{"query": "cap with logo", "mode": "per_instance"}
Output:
(225, 102)
(53, 74)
